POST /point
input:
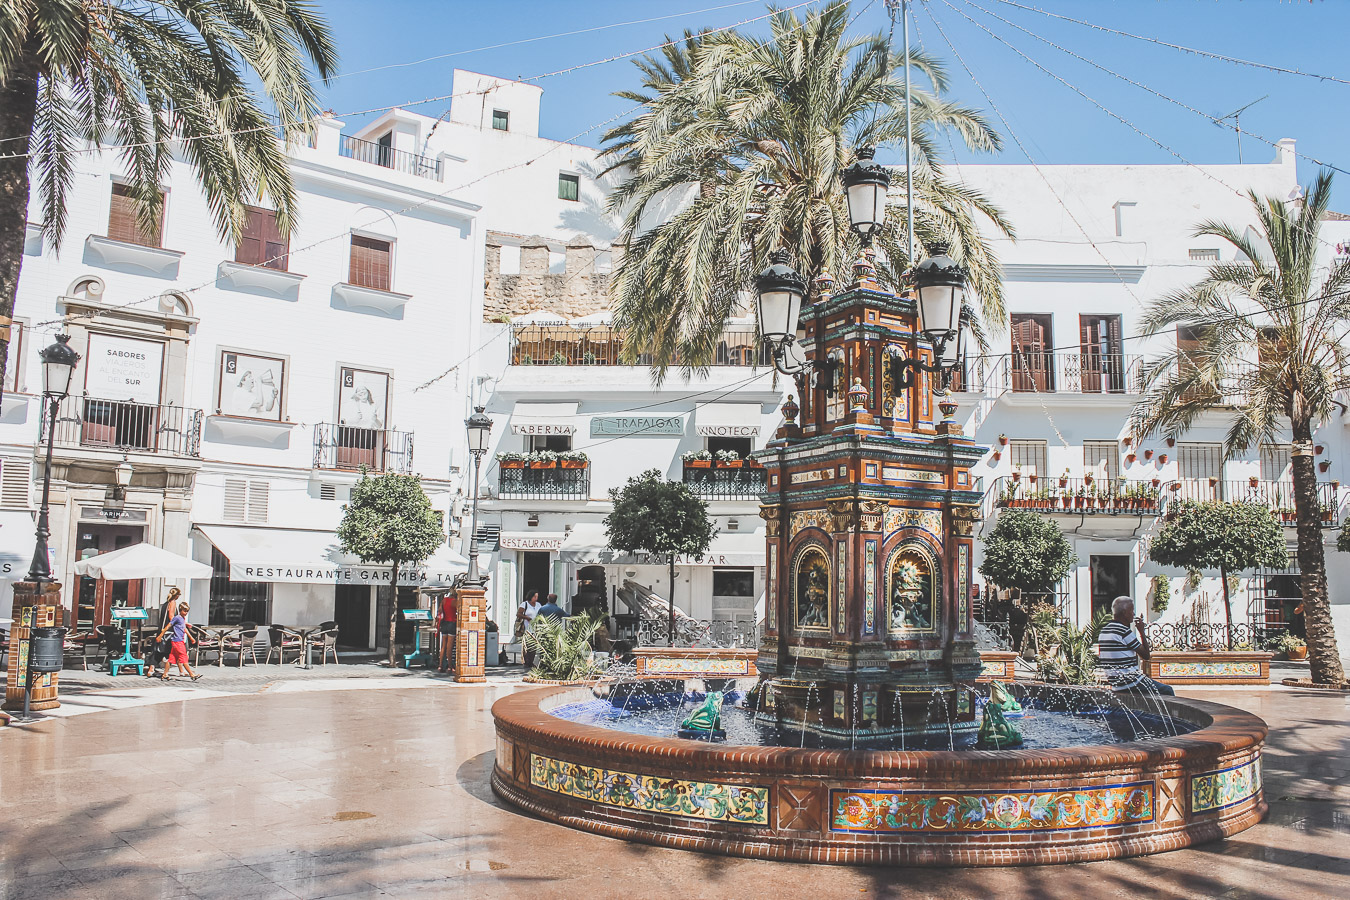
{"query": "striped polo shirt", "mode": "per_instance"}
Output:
(1118, 655)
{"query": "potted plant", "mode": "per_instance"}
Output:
(1318, 449)
(558, 358)
(1162, 593)
(512, 460)
(1130, 458)
(1034, 477)
(1064, 479)
(1148, 454)
(1326, 514)
(573, 459)
(544, 459)
(1003, 440)
(1017, 473)
(1213, 480)
(1155, 481)
(1127, 440)
(1162, 459)
(729, 459)
(697, 459)
(997, 456)
(1009, 495)
(1171, 442)
(1292, 646)
(1253, 480)
(753, 463)
(1324, 466)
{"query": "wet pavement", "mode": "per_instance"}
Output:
(320, 791)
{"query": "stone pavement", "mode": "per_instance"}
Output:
(383, 792)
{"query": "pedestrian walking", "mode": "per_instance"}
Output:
(446, 623)
(177, 629)
(166, 612)
(524, 616)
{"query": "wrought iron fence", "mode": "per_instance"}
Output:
(1079, 495)
(381, 155)
(1204, 635)
(699, 633)
(344, 447)
(1277, 496)
(121, 425)
(602, 345)
(725, 483)
(1060, 373)
(544, 483)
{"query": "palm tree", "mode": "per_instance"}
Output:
(158, 79)
(748, 137)
(1268, 342)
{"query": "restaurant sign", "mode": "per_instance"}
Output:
(637, 426)
(312, 574)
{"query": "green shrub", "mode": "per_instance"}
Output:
(562, 648)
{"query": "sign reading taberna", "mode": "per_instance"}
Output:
(637, 426)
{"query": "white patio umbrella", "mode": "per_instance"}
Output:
(603, 317)
(141, 561)
(539, 317)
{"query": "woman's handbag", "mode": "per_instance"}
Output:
(164, 647)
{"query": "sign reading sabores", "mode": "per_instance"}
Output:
(124, 369)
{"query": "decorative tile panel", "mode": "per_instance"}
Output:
(870, 587)
(1226, 787)
(680, 665)
(1216, 670)
(809, 518)
(744, 804)
(892, 812)
(841, 589)
(771, 608)
(962, 586)
(930, 520)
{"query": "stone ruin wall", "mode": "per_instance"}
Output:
(579, 291)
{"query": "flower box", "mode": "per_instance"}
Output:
(573, 463)
(512, 463)
(698, 463)
(730, 463)
(544, 464)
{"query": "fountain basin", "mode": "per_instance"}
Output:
(885, 807)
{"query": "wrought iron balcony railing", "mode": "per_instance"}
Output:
(398, 160)
(699, 633)
(1055, 372)
(345, 447)
(1079, 495)
(544, 483)
(121, 425)
(1277, 496)
(602, 345)
(724, 482)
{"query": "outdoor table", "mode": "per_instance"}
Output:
(304, 635)
(126, 615)
(417, 616)
(221, 632)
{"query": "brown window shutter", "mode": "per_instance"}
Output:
(122, 223)
(370, 263)
(250, 249)
(276, 246)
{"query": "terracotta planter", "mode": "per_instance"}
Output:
(698, 463)
(513, 464)
(573, 463)
(1298, 653)
(736, 464)
(544, 465)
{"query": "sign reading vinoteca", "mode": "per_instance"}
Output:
(636, 426)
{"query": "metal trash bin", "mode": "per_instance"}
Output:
(47, 649)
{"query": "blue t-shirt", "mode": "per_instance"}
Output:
(178, 624)
(552, 611)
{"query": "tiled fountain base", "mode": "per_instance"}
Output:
(885, 807)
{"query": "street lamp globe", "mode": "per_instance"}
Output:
(941, 286)
(865, 186)
(779, 290)
(58, 366)
(479, 427)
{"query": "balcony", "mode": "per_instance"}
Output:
(543, 481)
(722, 482)
(1079, 496)
(382, 155)
(1276, 496)
(344, 447)
(121, 425)
(602, 345)
(1057, 373)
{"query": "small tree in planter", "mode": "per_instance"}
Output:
(652, 515)
(1027, 552)
(389, 520)
(1230, 537)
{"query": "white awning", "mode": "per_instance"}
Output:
(727, 420)
(141, 561)
(588, 545)
(18, 537)
(545, 418)
(299, 556)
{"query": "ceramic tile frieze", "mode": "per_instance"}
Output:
(663, 665)
(744, 804)
(870, 581)
(882, 812)
(1209, 670)
(1226, 787)
(930, 520)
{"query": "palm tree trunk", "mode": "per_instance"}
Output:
(1227, 606)
(1323, 657)
(18, 108)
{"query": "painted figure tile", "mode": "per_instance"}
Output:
(1226, 787)
(882, 812)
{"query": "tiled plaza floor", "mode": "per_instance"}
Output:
(384, 792)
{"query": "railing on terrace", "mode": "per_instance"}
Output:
(602, 345)
(1277, 496)
(345, 447)
(1098, 496)
(721, 482)
(389, 158)
(121, 425)
(699, 633)
(1201, 635)
(554, 483)
(1061, 373)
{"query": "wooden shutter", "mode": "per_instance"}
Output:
(1030, 456)
(122, 222)
(16, 476)
(262, 243)
(1031, 353)
(370, 263)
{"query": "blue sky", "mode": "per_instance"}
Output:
(1056, 125)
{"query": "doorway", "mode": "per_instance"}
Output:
(92, 605)
(1032, 353)
(534, 574)
(1110, 579)
(351, 611)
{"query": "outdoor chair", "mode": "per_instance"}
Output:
(206, 642)
(281, 642)
(325, 641)
(241, 643)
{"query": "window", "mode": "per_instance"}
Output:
(385, 152)
(501, 120)
(1101, 458)
(235, 602)
(246, 501)
(1030, 455)
(742, 446)
(1196, 464)
(1275, 463)
(262, 244)
(370, 263)
(1205, 254)
(123, 224)
(1032, 353)
(252, 387)
(14, 364)
(733, 596)
(569, 186)
(558, 443)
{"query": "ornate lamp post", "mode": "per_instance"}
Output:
(865, 185)
(479, 428)
(941, 287)
(58, 366)
(471, 620)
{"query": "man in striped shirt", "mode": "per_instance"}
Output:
(1119, 650)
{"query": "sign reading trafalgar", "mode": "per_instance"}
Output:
(636, 426)
(123, 369)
